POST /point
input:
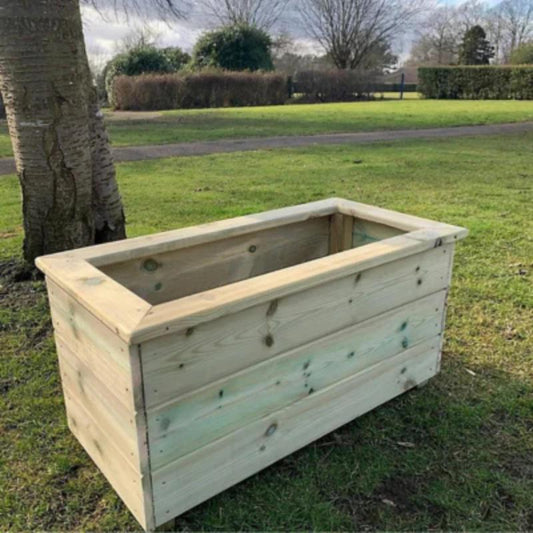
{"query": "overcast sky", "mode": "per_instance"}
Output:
(103, 32)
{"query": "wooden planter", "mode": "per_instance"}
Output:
(194, 358)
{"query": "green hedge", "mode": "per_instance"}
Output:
(477, 82)
(211, 88)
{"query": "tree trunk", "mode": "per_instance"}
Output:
(70, 196)
(109, 223)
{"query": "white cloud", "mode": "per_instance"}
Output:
(103, 31)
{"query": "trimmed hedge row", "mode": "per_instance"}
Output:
(477, 82)
(198, 90)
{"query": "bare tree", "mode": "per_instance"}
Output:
(438, 41)
(69, 189)
(470, 13)
(263, 14)
(139, 36)
(350, 29)
(516, 18)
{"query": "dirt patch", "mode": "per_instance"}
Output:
(23, 297)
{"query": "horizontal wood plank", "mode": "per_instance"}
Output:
(179, 363)
(103, 450)
(163, 277)
(196, 309)
(128, 249)
(202, 474)
(99, 348)
(203, 416)
(112, 416)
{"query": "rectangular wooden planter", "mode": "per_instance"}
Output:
(194, 358)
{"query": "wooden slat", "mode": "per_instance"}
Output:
(127, 249)
(109, 302)
(108, 458)
(113, 418)
(163, 277)
(99, 348)
(203, 307)
(178, 363)
(213, 468)
(335, 233)
(340, 234)
(347, 230)
(397, 220)
(203, 416)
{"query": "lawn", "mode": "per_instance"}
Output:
(304, 119)
(456, 454)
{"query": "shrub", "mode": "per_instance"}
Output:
(176, 58)
(196, 90)
(333, 85)
(238, 47)
(476, 82)
(142, 60)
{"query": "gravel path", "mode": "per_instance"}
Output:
(139, 153)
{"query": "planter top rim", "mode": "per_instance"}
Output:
(135, 320)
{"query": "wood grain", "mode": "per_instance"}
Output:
(202, 474)
(163, 277)
(194, 420)
(178, 363)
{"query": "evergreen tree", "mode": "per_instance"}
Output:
(475, 49)
(238, 47)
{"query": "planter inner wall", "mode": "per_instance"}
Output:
(159, 278)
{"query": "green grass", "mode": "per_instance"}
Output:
(305, 119)
(471, 428)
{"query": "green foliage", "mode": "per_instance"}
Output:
(176, 58)
(208, 88)
(522, 55)
(237, 47)
(475, 49)
(141, 60)
(476, 83)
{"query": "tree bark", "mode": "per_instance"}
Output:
(69, 191)
(109, 221)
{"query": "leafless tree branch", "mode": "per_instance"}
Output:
(263, 14)
(160, 8)
(350, 29)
